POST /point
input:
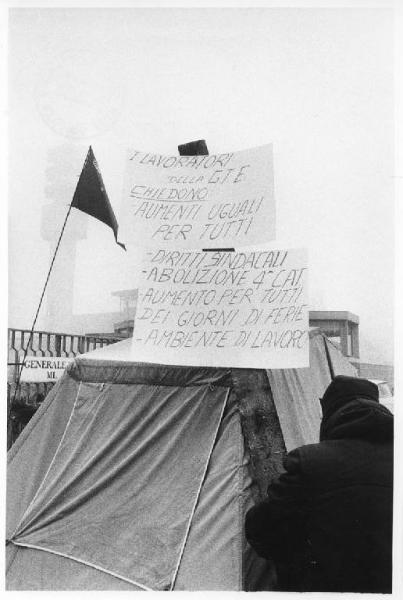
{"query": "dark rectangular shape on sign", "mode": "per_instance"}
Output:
(199, 147)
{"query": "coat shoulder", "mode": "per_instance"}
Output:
(346, 459)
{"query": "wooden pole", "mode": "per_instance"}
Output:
(329, 359)
(31, 333)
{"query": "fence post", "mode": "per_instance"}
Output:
(58, 344)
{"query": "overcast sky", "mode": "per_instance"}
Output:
(317, 83)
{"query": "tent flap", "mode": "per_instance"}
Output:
(111, 489)
(296, 394)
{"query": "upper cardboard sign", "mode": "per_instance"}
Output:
(212, 201)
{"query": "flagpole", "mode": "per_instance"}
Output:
(31, 333)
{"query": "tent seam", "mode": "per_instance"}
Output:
(76, 368)
(240, 501)
(146, 382)
(198, 493)
(83, 562)
(329, 359)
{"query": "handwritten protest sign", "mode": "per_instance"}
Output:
(228, 309)
(218, 200)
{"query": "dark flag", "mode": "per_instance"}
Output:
(91, 198)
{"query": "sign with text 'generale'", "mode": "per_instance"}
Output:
(209, 201)
(224, 309)
(44, 369)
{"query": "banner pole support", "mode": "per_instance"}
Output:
(31, 333)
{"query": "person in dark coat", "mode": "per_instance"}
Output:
(327, 521)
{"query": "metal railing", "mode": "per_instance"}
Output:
(23, 399)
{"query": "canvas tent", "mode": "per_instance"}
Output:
(136, 476)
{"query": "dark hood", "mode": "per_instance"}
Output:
(343, 389)
(360, 418)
